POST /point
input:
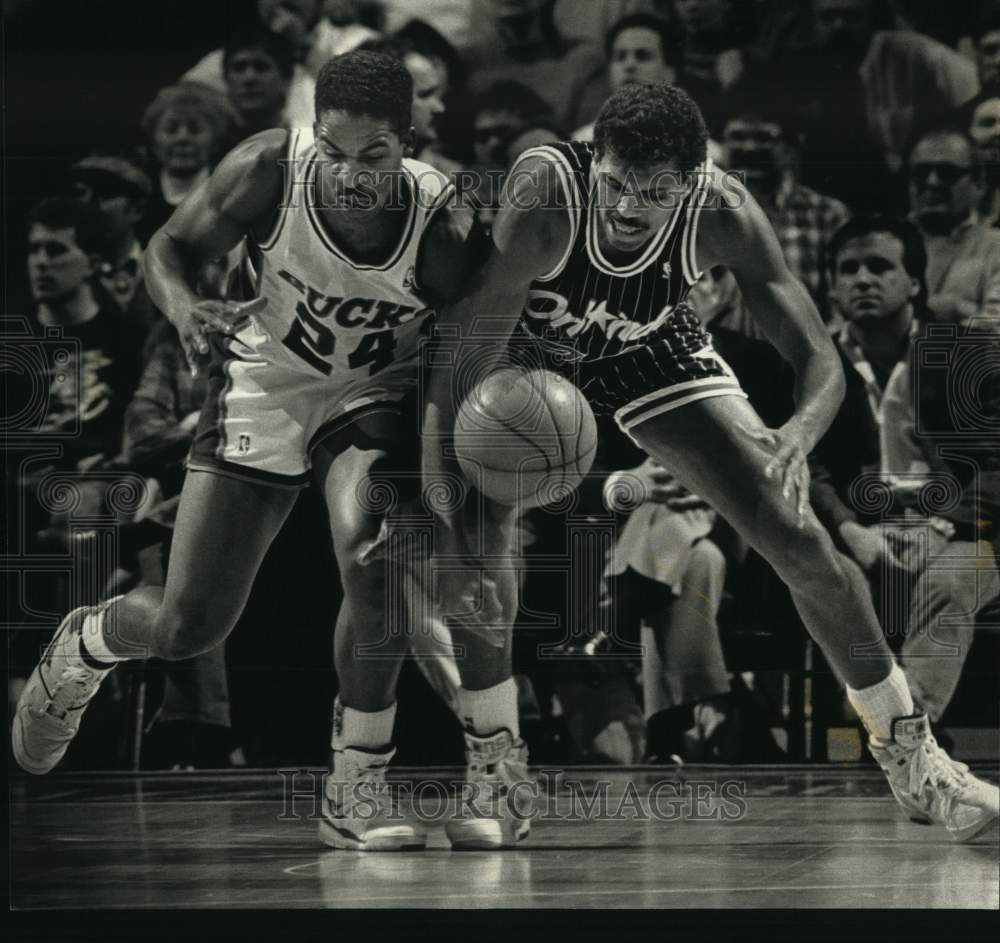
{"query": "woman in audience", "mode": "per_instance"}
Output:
(187, 128)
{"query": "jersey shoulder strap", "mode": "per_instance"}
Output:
(571, 160)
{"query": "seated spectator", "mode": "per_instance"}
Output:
(90, 386)
(666, 572)
(981, 116)
(877, 267)
(87, 365)
(258, 67)
(637, 49)
(526, 47)
(188, 128)
(857, 91)
(963, 252)
(758, 143)
(312, 39)
(120, 192)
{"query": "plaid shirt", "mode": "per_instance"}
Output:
(166, 394)
(804, 221)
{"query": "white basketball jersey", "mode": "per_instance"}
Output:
(328, 315)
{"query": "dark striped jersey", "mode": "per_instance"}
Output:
(618, 330)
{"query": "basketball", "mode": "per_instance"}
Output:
(525, 437)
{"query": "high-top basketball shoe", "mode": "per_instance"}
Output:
(55, 697)
(358, 811)
(495, 764)
(930, 785)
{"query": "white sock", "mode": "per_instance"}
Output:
(92, 635)
(492, 709)
(879, 705)
(365, 730)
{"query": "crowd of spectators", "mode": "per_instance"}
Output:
(869, 133)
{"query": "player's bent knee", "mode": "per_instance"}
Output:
(185, 633)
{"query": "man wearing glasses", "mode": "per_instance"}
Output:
(963, 252)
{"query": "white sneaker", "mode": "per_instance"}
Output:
(494, 765)
(930, 785)
(358, 811)
(54, 699)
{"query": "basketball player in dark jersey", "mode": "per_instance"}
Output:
(594, 250)
(348, 244)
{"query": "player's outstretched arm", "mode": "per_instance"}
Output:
(529, 236)
(741, 238)
(241, 196)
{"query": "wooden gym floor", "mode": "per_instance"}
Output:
(780, 837)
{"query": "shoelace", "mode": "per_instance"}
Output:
(70, 691)
(372, 776)
(932, 765)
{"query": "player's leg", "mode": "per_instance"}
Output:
(359, 468)
(224, 527)
(477, 598)
(706, 448)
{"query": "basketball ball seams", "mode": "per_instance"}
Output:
(504, 442)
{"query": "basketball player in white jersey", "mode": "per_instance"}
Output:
(594, 251)
(348, 246)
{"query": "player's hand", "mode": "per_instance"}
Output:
(788, 464)
(213, 317)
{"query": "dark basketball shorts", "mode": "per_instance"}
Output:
(669, 368)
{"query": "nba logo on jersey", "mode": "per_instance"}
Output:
(408, 278)
(667, 270)
(244, 445)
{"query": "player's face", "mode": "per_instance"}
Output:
(632, 203)
(360, 159)
(57, 266)
(637, 56)
(429, 84)
(942, 178)
(870, 281)
(183, 141)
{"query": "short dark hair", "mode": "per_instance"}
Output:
(361, 82)
(914, 251)
(63, 212)
(651, 124)
(254, 35)
(669, 45)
